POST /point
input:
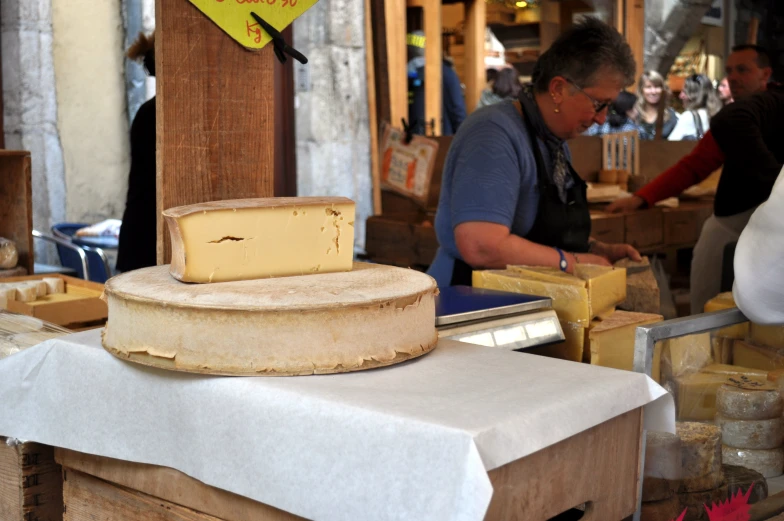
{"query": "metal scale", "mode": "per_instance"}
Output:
(496, 318)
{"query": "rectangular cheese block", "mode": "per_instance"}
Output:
(684, 355)
(260, 238)
(722, 349)
(696, 393)
(725, 301)
(606, 286)
(746, 354)
(570, 302)
(733, 370)
(612, 340)
(769, 336)
(570, 349)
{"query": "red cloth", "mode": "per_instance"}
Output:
(705, 159)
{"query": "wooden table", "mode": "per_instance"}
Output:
(576, 471)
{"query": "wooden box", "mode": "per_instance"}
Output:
(16, 204)
(645, 228)
(80, 305)
(31, 486)
(405, 240)
(609, 228)
(683, 225)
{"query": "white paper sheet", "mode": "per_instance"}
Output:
(412, 441)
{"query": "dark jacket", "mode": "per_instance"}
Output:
(139, 234)
(453, 103)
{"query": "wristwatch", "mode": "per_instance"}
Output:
(562, 263)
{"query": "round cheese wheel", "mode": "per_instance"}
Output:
(661, 510)
(700, 449)
(751, 434)
(762, 403)
(740, 479)
(321, 323)
(694, 502)
(769, 463)
(662, 470)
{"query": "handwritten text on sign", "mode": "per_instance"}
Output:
(233, 16)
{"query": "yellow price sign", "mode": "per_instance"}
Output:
(233, 16)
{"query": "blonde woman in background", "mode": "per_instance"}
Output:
(701, 104)
(652, 93)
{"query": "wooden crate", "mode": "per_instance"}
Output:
(81, 303)
(609, 228)
(16, 203)
(644, 228)
(31, 486)
(683, 225)
(405, 240)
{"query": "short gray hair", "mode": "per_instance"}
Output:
(588, 47)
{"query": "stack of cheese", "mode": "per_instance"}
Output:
(29, 290)
(585, 303)
(749, 413)
(702, 476)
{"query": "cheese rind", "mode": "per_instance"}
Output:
(612, 340)
(570, 302)
(369, 317)
(762, 403)
(606, 286)
(694, 502)
(260, 238)
(642, 293)
(700, 449)
(751, 434)
(740, 479)
(769, 463)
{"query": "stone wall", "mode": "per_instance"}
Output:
(333, 133)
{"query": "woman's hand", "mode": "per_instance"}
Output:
(615, 252)
(625, 204)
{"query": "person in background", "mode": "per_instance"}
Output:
(506, 87)
(139, 232)
(724, 92)
(701, 104)
(453, 108)
(652, 93)
(759, 272)
(491, 74)
(509, 193)
(620, 117)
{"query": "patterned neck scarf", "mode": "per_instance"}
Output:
(554, 144)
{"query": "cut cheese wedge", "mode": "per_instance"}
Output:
(612, 340)
(570, 302)
(261, 238)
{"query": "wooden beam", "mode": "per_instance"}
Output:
(434, 56)
(549, 25)
(475, 25)
(285, 126)
(380, 59)
(395, 17)
(16, 204)
(634, 31)
(215, 114)
(375, 167)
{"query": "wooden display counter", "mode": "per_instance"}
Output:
(96, 487)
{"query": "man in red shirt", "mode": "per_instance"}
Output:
(748, 71)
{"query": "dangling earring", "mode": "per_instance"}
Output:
(556, 109)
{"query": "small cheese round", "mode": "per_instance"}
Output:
(700, 449)
(762, 403)
(694, 502)
(661, 510)
(751, 434)
(769, 463)
(740, 479)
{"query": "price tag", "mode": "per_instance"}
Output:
(233, 16)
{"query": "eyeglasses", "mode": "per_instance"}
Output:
(598, 106)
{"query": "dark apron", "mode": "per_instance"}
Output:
(565, 226)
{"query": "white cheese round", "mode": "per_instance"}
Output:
(769, 463)
(369, 317)
(762, 403)
(751, 434)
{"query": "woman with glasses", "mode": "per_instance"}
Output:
(701, 103)
(509, 194)
(652, 93)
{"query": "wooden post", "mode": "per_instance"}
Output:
(16, 204)
(634, 31)
(549, 25)
(215, 114)
(475, 25)
(751, 37)
(434, 56)
(397, 59)
(375, 167)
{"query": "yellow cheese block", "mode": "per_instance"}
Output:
(261, 238)
(746, 354)
(725, 301)
(733, 370)
(696, 394)
(606, 286)
(612, 340)
(684, 355)
(570, 302)
(770, 336)
(570, 349)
